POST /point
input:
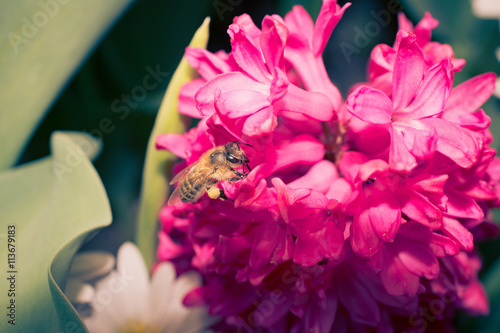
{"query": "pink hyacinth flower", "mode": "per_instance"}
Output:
(261, 90)
(412, 114)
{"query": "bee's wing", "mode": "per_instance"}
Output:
(174, 197)
(182, 174)
(179, 177)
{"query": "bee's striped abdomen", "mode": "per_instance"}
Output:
(187, 192)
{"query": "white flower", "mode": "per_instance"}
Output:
(489, 9)
(126, 300)
(86, 267)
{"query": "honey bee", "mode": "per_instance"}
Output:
(215, 165)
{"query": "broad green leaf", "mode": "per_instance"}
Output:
(154, 188)
(48, 208)
(42, 44)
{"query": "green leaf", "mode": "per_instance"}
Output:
(48, 208)
(154, 188)
(43, 43)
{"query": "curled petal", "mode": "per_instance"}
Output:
(418, 259)
(454, 229)
(240, 103)
(364, 241)
(372, 169)
(461, 205)
(420, 209)
(424, 28)
(187, 102)
(300, 24)
(397, 279)
(370, 105)
(408, 71)
(384, 214)
(318, 178)
(303, 149)
(400, 158)
(272, 42)
(329, 15)
(233, 81)
(382, 60)
(432, 94)
(458, 143)
(313, 105)
(209, 65)
(350, 164)
(247, 55)
(467, 97)
(261, 122)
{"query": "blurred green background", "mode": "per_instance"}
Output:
(104, 97)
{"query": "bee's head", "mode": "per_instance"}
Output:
(235, 155)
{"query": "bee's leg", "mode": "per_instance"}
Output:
(222, 195)
(239, 174)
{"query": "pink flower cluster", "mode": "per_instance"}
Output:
(357, 215)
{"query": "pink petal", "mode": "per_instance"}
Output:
(476, 121)
(240, 103)
(461, 205)
(309, 66)
(372, 169)
(403, 23)
(299, 22)
(350, 165)
(454, 141)
(262, 122)
(205, 98)
(424, 28)
(421, 141)
(442, 246)
(272, 42)
(475, 299)
(209, 65)
(400, 159)
(382, 60)
(318, 178)
(176, 143)
(408, 71)
(429, 183)
(246, 54)
(384, 214)
(329, 15)
(364, 241)
(168, 249)
(187, 103)
(246, 23)
(417, 258)
(431, 95)
(467, 97)
(279, 86)
(370, 105)
(454, 229)
(303, 149)
(313, 105)
(263, 247)
(396, 278)
(287, 197)
(420, 209)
